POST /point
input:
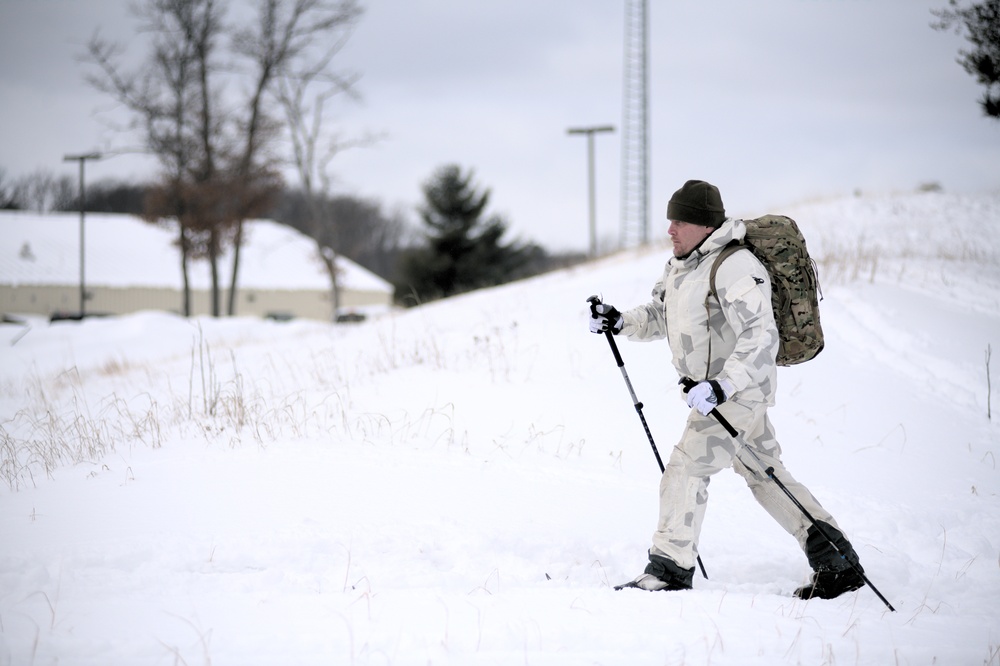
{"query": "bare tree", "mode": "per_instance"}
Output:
(65, 194)
(32, 190)
(41, 191)
(172, 105)
(7, 201)
(358, 227)
(305, 85)
(216, 146)
(284, 37)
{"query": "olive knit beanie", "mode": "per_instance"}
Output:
(697, 202)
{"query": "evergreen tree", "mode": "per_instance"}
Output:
(981, 22)
(463, 250)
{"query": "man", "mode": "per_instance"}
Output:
(724, 349)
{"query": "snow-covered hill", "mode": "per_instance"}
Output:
(464, 482)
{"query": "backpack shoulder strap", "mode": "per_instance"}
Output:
(731, 248)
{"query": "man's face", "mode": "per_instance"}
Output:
(686, 236)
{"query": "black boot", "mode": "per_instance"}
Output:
(661, 573)
(830, 584)
(821, 553)
(837, 570)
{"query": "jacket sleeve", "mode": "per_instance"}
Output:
(646, 322)
(744, 289)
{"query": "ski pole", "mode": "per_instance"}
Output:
(594, 302)
(769, 473)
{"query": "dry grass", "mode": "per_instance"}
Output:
(62, 423)
(70, 419)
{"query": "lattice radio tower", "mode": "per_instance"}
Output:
(635, 127)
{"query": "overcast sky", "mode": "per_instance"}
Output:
(774, 101)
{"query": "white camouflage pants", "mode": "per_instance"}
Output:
(706, 448)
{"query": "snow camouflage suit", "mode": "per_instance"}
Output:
(741, 336)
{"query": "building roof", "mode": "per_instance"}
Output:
(123, 251)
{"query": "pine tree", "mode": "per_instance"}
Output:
(463, 250)
(981, 22)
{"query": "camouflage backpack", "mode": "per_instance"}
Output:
(780, 246)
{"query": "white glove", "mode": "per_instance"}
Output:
(705, 398)
(606, 318)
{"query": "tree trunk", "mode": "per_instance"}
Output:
(237, 245)
(213, 258)
(330, 261)
(184, 274)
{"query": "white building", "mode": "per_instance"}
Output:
(131, 265)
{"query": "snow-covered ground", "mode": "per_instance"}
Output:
(464, 483)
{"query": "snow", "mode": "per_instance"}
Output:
(463, 483)
(124, 251)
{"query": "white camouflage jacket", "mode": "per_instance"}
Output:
(740, 335)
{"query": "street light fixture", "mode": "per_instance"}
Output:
(590, 132)
(82, 159)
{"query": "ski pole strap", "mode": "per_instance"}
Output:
(720, 395)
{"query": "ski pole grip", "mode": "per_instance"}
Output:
(594, 302)
(689, 384)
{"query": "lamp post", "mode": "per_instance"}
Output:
(82, 159)
(590, 132)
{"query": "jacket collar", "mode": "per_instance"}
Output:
(732, 229)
